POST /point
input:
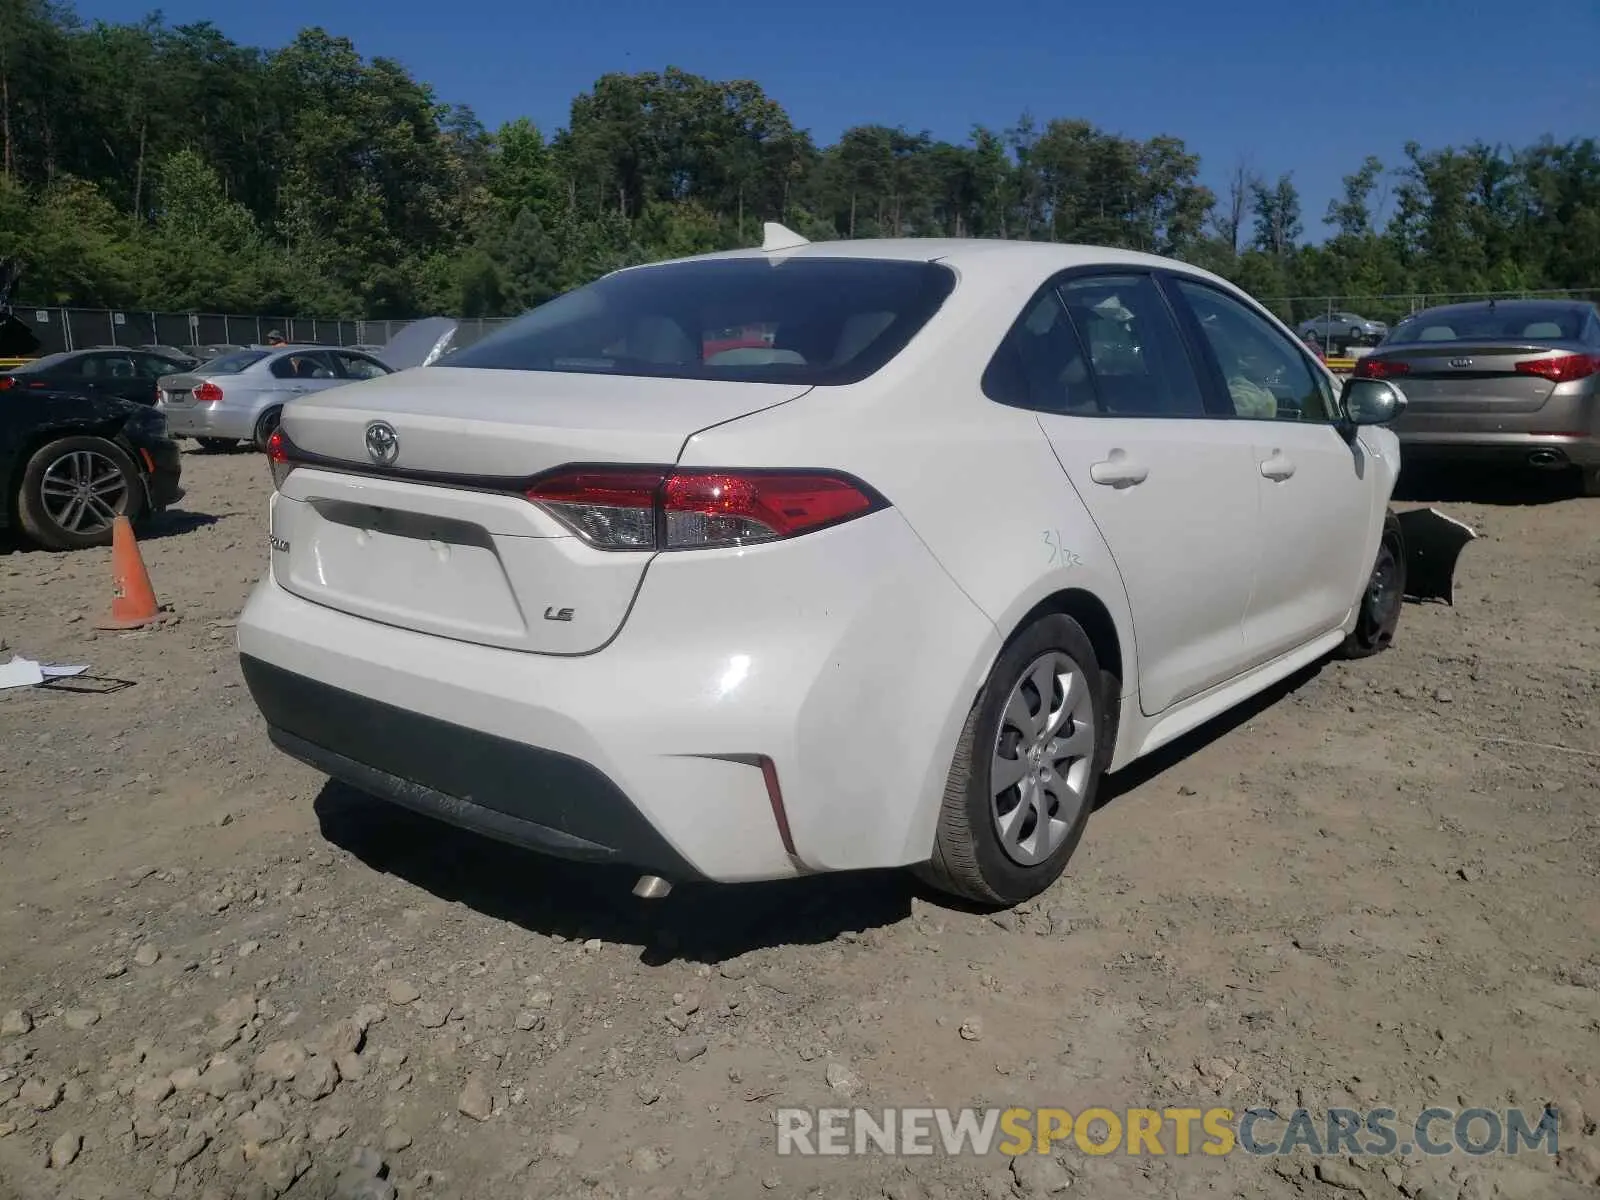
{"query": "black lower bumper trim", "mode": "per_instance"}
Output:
(503, 789)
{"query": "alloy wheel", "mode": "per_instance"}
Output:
(1042, 759)
(83, 491)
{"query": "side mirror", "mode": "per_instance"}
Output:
(1371, 401)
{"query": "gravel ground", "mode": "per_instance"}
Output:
(223, 977)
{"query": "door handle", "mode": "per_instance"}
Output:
(1277, 468)
(1119, 471)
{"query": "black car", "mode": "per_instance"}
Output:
(71, 463)
(104, 371)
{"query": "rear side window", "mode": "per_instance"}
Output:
(795, 320)
(232, 364)
(1136, 355)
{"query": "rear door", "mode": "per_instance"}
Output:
(1315, 492)
(1171, 488)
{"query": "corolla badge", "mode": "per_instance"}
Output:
(383, 443)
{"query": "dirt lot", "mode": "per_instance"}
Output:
(1375, 887)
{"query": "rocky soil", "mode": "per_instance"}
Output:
(222, 977)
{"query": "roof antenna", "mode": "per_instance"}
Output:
(775, 237)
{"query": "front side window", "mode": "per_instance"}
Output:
(302, 366)
(803, 319)
(1267, 375)
(1135, 353)
(154, 366)
(357, 367)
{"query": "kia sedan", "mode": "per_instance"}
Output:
(895, 583)
(1508, 383)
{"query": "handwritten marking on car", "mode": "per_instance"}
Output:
(1060, 556)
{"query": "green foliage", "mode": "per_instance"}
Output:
(166, 167)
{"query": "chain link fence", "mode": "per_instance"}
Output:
(85, 328)
(60, 328)
(1392, 306)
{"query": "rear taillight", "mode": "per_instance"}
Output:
(6, 382)
(278, 457)
(1564, 369)
(1368, 367)
(207, 393)
(632, 508)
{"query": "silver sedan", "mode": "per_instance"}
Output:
(240, 396)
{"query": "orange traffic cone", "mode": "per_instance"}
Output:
(133, 600)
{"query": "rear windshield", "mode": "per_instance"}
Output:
(1469, 325)
(43, 364)
(232, 364)
(795, 320)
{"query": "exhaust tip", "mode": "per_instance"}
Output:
(1546, 458)
(651, 887)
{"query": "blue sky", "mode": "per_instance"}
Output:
(1307, 88)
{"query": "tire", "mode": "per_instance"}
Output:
(60, 476)
(971, 858)
(265, 424)
(217, 445)
(1382, 597)
(1356, 337)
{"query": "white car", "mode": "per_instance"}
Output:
(945, 531)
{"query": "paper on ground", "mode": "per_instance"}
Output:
(24, 672)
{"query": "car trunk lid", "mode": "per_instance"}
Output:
(423, 524)
(177, 391)
(1488, 378)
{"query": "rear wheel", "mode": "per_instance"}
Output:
(217, 445)
(1026, 769)
(73, 489)
(1384, 595)
(265, 424)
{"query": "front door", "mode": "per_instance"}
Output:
(1316, 496)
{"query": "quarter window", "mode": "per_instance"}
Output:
(1041, 364)
(1267, 376)
(1136, 356)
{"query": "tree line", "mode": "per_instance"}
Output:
(149, 166)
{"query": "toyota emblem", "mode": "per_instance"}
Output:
(383, 443)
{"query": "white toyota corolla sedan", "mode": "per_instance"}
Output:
(819, 557)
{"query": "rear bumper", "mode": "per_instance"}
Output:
(209, 421)
(847, 658)
(1502, 449)
(501, 788)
